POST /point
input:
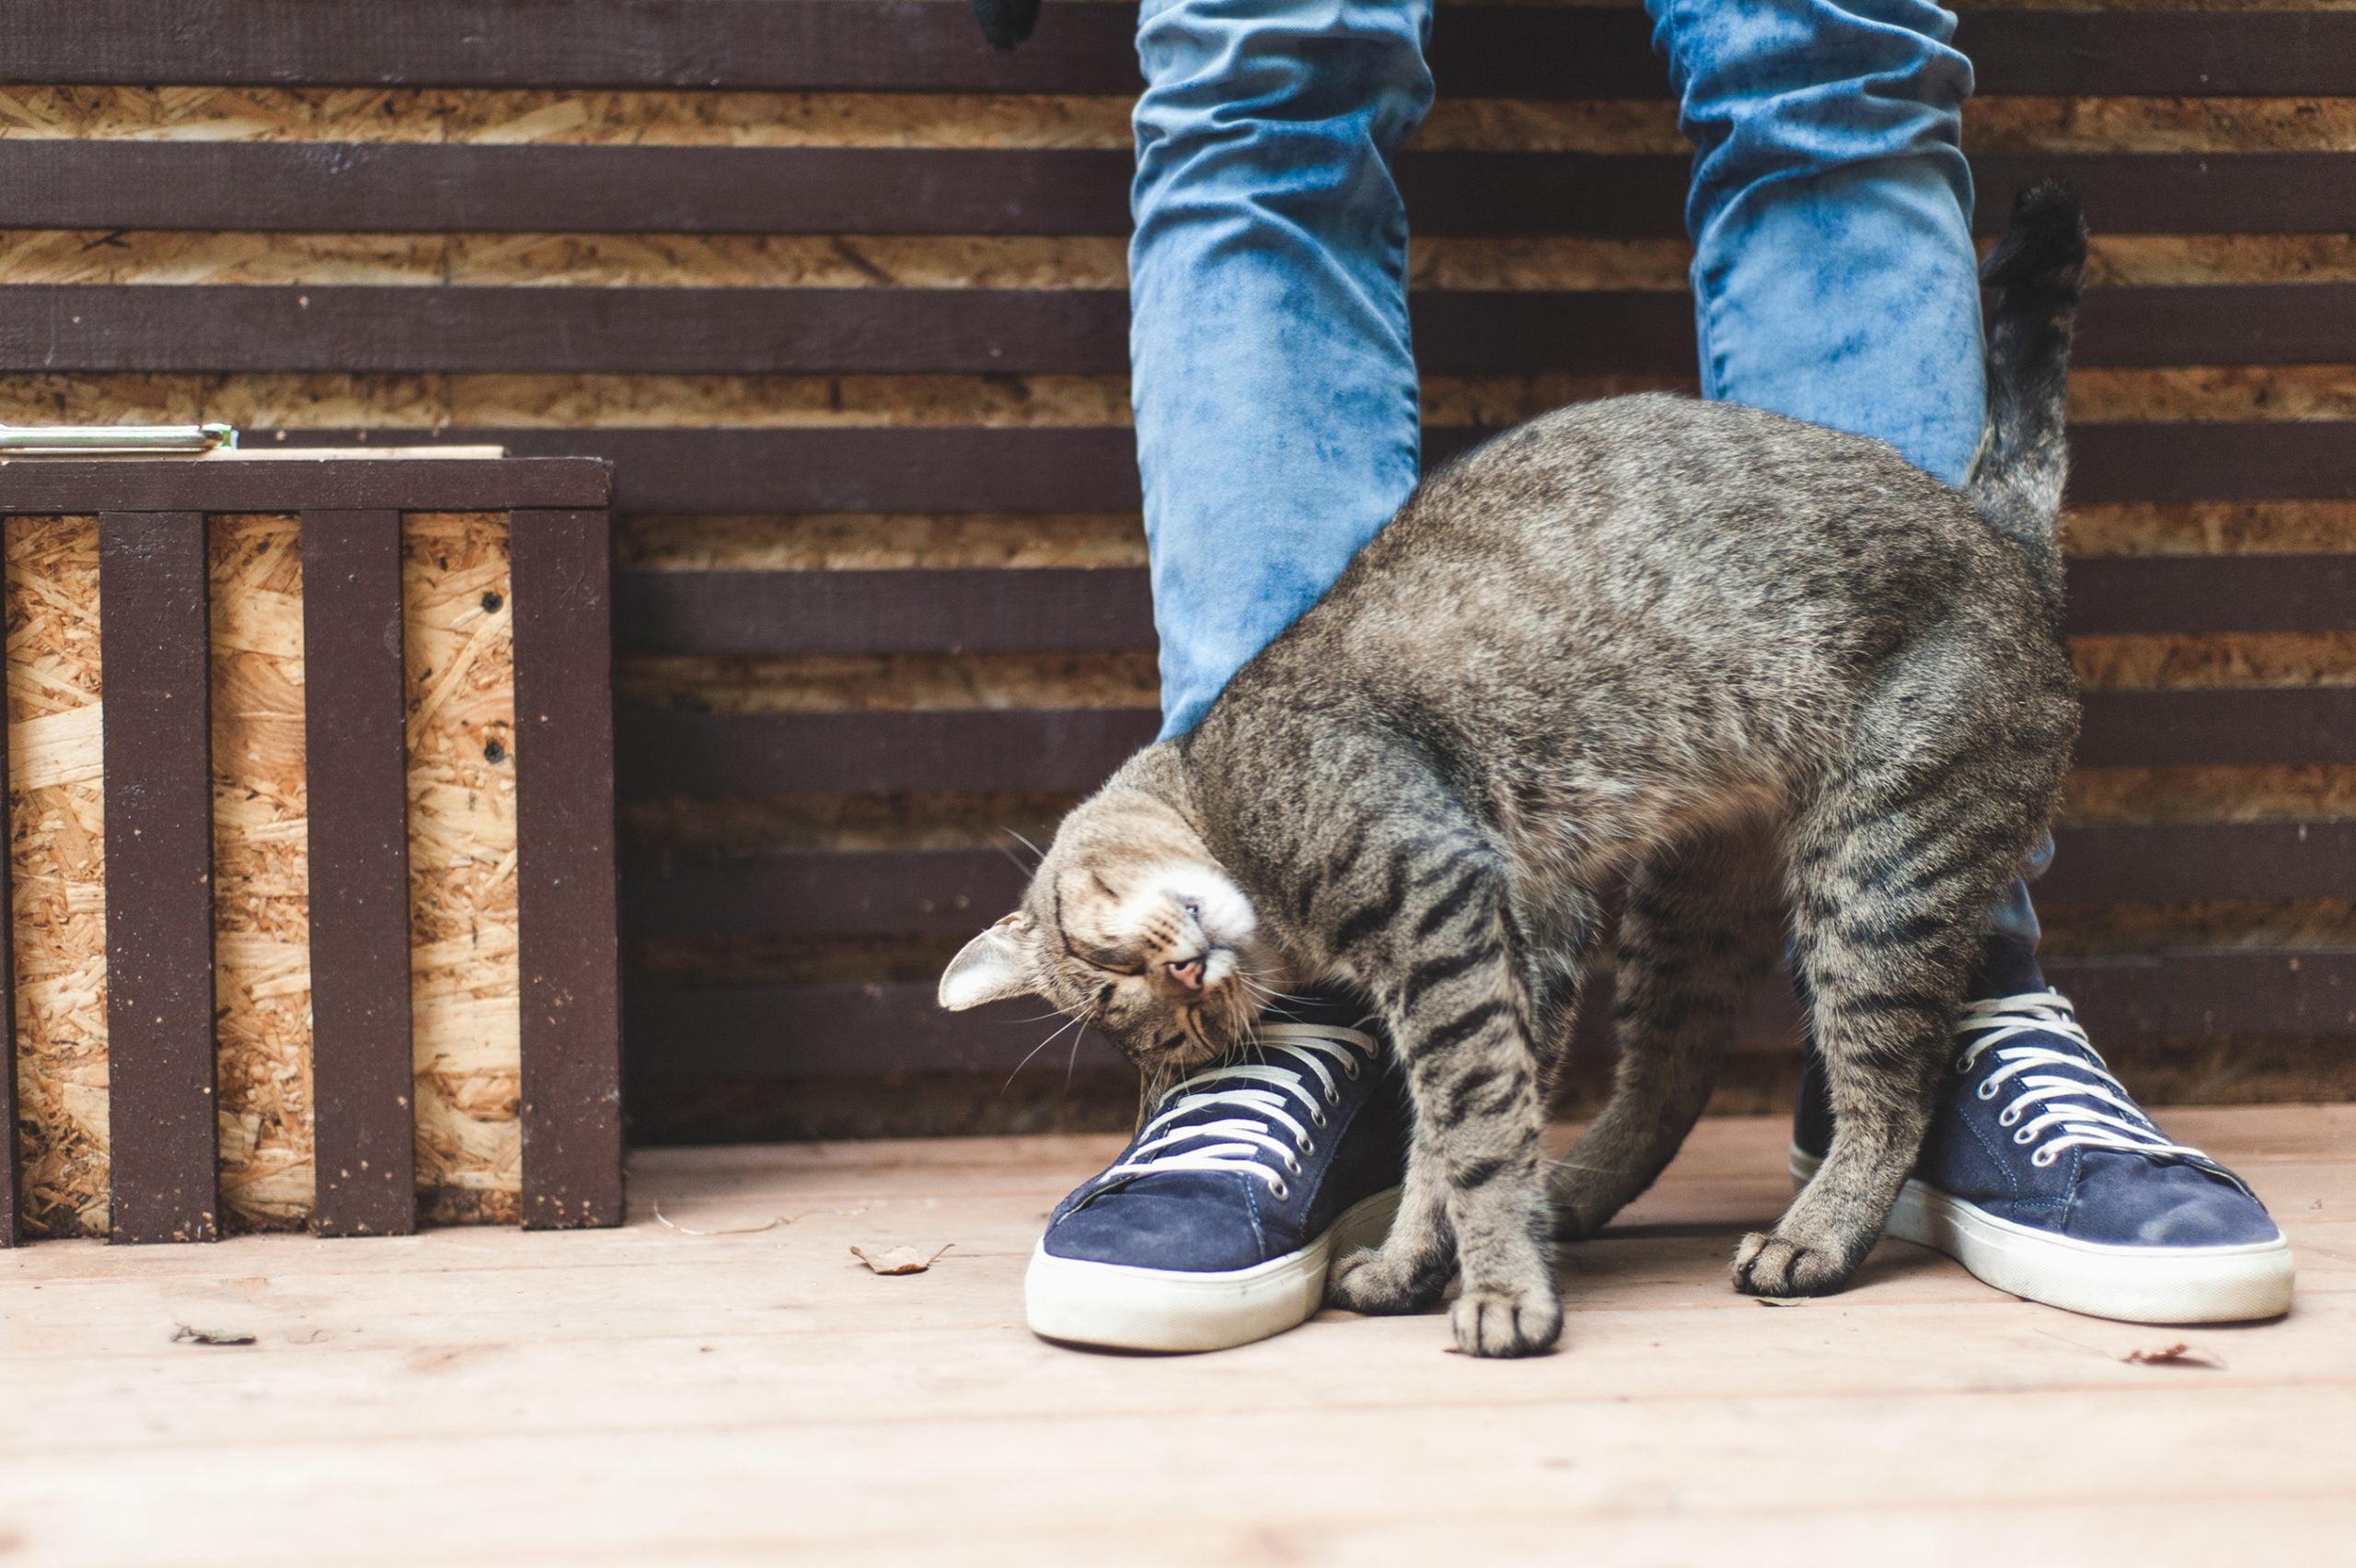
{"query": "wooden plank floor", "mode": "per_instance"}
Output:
(652, 1396)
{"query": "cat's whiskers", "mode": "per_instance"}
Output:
(1072, 1022)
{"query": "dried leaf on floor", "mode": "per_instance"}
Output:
(2172, 1356)
(183, 1334)
(896, 1260)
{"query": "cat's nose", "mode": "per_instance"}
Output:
(1187, 971)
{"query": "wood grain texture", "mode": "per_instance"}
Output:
(465, 980)
(654, 1378)
(152, 577)
(570, 958)
(57, 874)
(264, 978)
(365, 1092)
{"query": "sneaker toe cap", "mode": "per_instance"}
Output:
(1161, 1230)
(2131, 1201)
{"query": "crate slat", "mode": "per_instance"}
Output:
(571, 953)
(356, 755)
(154, 636)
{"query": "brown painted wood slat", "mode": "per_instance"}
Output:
(809, 1031)
(930, 610)
(715, 755)
(2184, 862)
(276, 483)
(901, 45)
(2192, 595)
(814, 893)
(154, 649)
(699, 754)
(362, 1090)
(53, 328)
(437, 188)
(570, 950)
(936, 469)
(2232, 727)
(1078, 609)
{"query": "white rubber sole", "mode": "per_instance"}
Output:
(2134, 1285)
(1121, 1307)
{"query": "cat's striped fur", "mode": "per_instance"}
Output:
(1778, 679)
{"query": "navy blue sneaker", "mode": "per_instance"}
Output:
(1216, 1224)
(2043, 1176)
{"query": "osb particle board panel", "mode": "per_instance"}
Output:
(465, 985)
(461, 782)
(261, 857)
(56, 815)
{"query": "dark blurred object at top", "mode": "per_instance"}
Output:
(1006, 22)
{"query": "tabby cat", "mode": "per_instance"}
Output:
(1782, 683)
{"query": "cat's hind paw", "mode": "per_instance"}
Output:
(1377, 1281)
(1768, 1265)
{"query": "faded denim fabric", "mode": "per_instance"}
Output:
(1274, 382)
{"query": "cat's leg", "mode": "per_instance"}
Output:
(1701, 926)
(1434, 939)
(1893, 871)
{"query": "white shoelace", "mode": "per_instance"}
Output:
(2089, 1108)
(1295, 1097)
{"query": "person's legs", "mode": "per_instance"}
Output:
(1835, 282)
(1276, 429)
(1834, 274)
(1274, 388)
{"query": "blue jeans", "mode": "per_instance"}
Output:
(1273, 382)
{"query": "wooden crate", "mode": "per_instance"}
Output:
(311, 874)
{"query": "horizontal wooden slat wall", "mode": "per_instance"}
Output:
(841, 291)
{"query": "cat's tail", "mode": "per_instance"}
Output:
(2037, 270)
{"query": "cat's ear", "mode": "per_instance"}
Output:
(994, 965)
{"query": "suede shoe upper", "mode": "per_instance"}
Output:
(1246, 1159)
(2033, 1128)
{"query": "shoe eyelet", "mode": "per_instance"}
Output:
(1317, 1118)
(1306, 1143)
(1333, 1097)
(2024, 1135)
(1963, 1064)
(2042, 1159)
(1988, 1091)
(1281, 1192)
(1350, 1069)
(2007, 1118)
(1292, 1167)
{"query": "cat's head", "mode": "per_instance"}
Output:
(1131, 923)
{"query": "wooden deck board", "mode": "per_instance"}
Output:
(649, 1395)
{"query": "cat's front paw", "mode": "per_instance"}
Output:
(1380, 1282)
(1770, 1265)
(1495, 1322)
